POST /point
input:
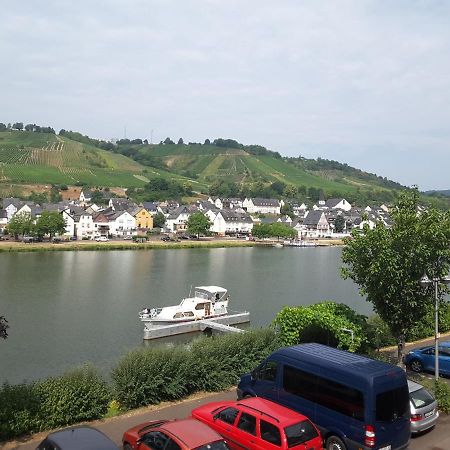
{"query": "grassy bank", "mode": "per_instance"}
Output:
(6, 247)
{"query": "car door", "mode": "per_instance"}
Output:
(224, 424)
(444, 360)
(245, 432)
(269, 436)
(428, 359)
(265, 380)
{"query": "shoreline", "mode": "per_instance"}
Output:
(13, 246)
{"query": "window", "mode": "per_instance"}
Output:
(247, 423)
(199, 306)
(443, 351)
(228, 415)
(421, 398)
(156, 440)
(270, 433)
(300, 432)
(391, 405)
(268, 371)
(336, 396)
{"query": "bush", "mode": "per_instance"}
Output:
(149, 376)
(79, 395)
(19, 406)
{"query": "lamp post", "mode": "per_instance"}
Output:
(426, 282)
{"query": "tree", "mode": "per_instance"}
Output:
(2, 127)
(207, 142)
(168, 141)
(97, 198)
(159, 220)
(20, 224)
(3, 327)
(51, 223)
(290, 191)
(198, 223)
(180, 141)
(18, 126)
(287, 210)
(339, 224)
(387, 263)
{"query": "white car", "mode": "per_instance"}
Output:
(101, 239)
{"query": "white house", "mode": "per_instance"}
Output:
(85, 197)
(177, 219)
(262, 205)
(121, 223)
(315, 224)
(338, 203)
(79, 223)
(11, 206)
(229, 222)
(3, 219)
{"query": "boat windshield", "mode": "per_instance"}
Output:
(202, 294)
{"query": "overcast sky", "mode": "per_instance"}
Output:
(361, 82)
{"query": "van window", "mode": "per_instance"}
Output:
(270, 433)
(393, 404)
(268, 371)
(336, 396)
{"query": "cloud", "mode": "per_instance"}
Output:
(352, 81)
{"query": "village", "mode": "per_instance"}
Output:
(120, 218)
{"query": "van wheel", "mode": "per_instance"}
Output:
(416, 366)
(334, 443)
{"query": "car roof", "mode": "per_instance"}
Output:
(284, 416)
(85, 438)
(192, 432)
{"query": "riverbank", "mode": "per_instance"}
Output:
(216, 242)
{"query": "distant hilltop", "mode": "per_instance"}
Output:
(36, 157)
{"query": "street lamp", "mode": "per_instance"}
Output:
(426, 282)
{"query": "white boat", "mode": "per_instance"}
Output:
(297, 243)
(208, 302)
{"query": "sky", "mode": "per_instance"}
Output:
(361, 82)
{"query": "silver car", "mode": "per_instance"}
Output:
(424, 408)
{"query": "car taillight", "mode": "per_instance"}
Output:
(416, 417)
(369, 438)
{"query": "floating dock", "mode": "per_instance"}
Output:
(220, 323)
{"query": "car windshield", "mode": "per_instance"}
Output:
(421, 398)
(299, 433)
(216, 445)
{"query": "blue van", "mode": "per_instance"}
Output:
(357, 402)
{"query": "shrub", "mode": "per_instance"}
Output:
(150, 375)
(19, 406)
(79, 395)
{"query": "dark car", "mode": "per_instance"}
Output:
(78, 438)
(165, 238)
(422, 359)
(185, 434)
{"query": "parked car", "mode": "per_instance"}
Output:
(165, 238)
(28, 239)
(128, 237)
(259, 424)
(77, 438)
(355, 401)
(424, 408)
(185, 434)
(422, 359)
(101, 239)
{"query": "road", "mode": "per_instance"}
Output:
(437, 439)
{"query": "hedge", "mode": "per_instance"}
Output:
(142, 377)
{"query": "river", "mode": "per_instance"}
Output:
(66, 308)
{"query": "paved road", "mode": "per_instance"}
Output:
(437, 439)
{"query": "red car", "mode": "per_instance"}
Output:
(259, 424)
(186, 434)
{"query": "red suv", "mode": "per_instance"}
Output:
(186, 434)
(256, 424)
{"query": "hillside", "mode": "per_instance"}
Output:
(45, 158)
(209, 163)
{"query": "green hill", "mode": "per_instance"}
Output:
(45, 158)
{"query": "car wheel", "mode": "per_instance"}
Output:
(334, 443)
(416, 366)
(127, 447)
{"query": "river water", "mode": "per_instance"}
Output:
(66, 308)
